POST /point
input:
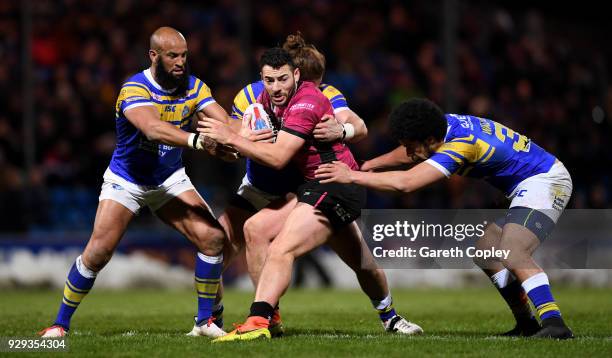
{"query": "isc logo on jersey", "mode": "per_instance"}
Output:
(259, 117)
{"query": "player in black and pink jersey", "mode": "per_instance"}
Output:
(297, 107)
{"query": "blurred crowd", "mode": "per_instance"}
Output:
(544, 76)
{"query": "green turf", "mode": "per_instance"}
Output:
(319, 323)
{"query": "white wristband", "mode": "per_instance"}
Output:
(349, 131)
(193, 140)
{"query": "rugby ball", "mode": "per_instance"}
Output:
(259, 117)
(260, 120)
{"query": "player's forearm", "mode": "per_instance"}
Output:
(394, 158)
(397, 181)
(360, 128)
(261, 152)
(166, 133)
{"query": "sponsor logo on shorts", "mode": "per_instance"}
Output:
(342, 213)
(521, 193)
(558, 203)
(116, 186)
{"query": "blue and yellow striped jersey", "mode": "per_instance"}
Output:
(265, 178)
(136, 159)
(481, 148)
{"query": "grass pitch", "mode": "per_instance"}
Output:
(318, 323)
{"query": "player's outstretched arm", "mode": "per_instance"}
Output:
(275, 155)
(349, 118)
(345, 125)
(146, 119)
(403, 181)
(394, 158)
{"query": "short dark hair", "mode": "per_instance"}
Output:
(276, 57)
(417, 119)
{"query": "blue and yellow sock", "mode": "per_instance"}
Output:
(207, 278)
(79, 282)
(384, 308)
(514, 295)
(538, 290)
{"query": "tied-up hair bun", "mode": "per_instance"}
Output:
(294, 42)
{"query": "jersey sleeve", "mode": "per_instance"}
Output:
(453, 155)
(133, 94)
(301, 119)
(241, 103)
(336, 98)
(204, 96)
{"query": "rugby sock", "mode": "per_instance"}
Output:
(207, 278)
(217, 312)
(79, 282)
(261, 309)
(514, 295)
(538, 290)
(384, 308)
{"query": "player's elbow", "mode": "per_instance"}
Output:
(153, 133)
(403, 186)
(363, 131)
(279, 163)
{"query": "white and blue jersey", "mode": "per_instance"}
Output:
(136, 159)
(481, 148)
(269, 180)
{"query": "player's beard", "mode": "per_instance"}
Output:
(168, 81)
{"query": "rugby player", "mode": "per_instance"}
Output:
(268, 195)
(321, 210)
(153, 116)
(536, 182)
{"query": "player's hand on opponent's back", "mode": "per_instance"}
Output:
(329, 129)
(265, 134)
(334, 172)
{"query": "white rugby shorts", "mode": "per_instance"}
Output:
(546, 192)
(134, 196)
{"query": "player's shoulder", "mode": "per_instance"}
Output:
(249, 94)
(329, 91)
(253, 88)
(137, 80)
(196, 83)
(136, 87)
(308, 91)
(459, 126)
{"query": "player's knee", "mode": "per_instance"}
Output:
(208, 239)
(255, 233)
(517, 254)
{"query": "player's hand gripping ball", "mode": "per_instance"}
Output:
(257, 125)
